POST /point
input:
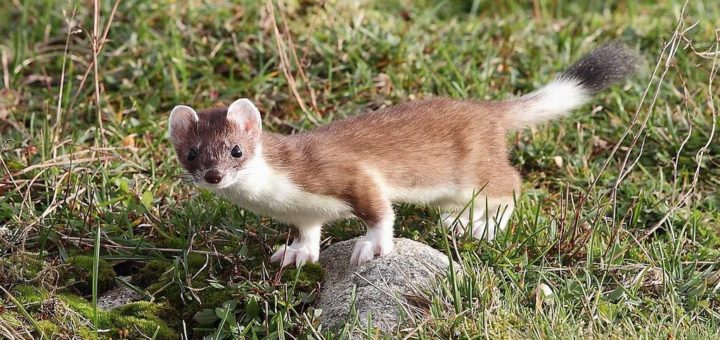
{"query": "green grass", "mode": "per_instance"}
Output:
(619, 213)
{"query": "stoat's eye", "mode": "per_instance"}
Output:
(236, 152)
(192, 154)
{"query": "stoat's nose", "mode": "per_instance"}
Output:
(213, 176)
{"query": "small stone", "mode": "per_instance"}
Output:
(599, 143)
(558, 161)
(543, 294)
(381, 287)
(128, 141)
(544, 289)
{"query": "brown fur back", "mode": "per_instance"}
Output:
(428, 143)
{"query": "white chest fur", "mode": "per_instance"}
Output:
(265, 191)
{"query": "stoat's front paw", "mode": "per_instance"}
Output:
(368, 246)
(297, 254)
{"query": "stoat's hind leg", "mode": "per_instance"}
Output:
(496, 213)
(496, 201)
(486, 210)
(458, 220)
(477, 220)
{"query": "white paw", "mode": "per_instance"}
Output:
(298, 254)
(367, 247)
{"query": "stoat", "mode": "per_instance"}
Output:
(438, 152)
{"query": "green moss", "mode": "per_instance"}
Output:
(48, 327)
(18, 268)
(152, 311)
(85, 333)
(210, 297)
(136, 326)
(143, 308)
(148, 317)
(10, 319)
(195, 262)
(181, 305)
(32, 297)
(175, 243)
(85, 308)
(131, 319)
(172, 291)
(155, 287)
(308, 276)
(32, 267)
(26, 294)
(150, 273)
(78, 275)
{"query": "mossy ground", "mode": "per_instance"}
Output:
(619, 212)
(67, 313)
(78, 275)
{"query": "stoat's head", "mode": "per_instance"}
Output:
(215, 145)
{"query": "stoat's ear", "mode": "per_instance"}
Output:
(244, 113)
(182, 119)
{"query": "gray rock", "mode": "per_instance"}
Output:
(389, 290)
(119, 296)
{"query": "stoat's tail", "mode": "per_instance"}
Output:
(604, 66)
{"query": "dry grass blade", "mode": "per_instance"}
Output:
(54, 205)
(53, 163)
(626, 133)
(291, 45)
(80, 241)
(6, 72)
(58, 109)
(285, 64)
(96, 51)
(91, 67)
(684, 196)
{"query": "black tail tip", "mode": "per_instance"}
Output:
(604, 66)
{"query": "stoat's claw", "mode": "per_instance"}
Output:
(367, 247)
(298, 255)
